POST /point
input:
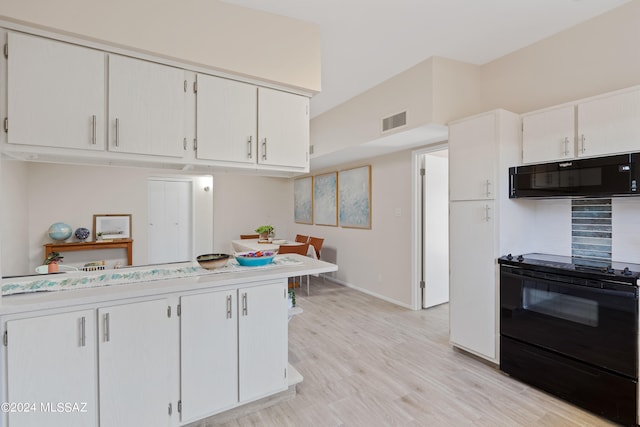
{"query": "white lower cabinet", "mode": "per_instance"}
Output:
(146, 362)
(472, 305)
(51, 371)
(262, 340)
(233, 348)
(209, 353)
(133, 351)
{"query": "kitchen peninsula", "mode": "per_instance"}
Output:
(154, 345)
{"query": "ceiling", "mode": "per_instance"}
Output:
(365, 42)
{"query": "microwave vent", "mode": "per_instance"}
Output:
(395, 121)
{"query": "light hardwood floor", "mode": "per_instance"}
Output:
(367, 362)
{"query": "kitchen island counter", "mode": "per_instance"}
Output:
(167, 344)
(155, 286)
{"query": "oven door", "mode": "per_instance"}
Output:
(594, 321)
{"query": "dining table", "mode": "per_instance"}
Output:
(254, 245)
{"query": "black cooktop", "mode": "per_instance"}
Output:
(583, 266)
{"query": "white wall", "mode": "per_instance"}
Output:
(597, 56)
(432, 92)
(376, 261)
(208, 33)
(43, 193)
(594, 57)
(242, 203)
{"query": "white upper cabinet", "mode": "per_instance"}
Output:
(56, 94)
(548, 135)
(246, 125)
(62, 95)
(283, 129)
(609, 124)
(472, 149)
(226, 120)
(146, 107)
(599, 126)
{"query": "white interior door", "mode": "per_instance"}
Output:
(435, 229)
(170, 213)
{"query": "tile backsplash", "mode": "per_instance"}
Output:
(591, 228)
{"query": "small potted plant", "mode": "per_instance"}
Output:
(52, 262)
(265, 232)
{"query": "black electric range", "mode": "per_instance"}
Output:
(569, 326)
(587, 268)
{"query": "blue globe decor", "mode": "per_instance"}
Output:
(82, 233)
(60, 231)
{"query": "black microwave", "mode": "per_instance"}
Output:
(596, 177)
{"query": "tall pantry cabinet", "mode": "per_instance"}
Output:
(481, 150)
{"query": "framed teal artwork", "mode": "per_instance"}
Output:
(354, 197)
(303, 200)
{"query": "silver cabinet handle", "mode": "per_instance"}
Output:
(566, 146)
(83, 329)
(486, 213)
(264, 149)
(488, 184)
(249, 147)
(107, 333)
(229, 312)
(93, 130)
(245, 308)
(582, 144)
(117, 132)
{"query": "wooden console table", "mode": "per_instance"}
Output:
(87, 246)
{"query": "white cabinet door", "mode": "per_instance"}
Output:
(473, 158)
(134, 364)
(51, 360)
(56, 94)
(283, 129)
(549, 135)
(609, 125)
(227, 118)
(209, 353)
(262, 345)
(146, 107)
(472, 291)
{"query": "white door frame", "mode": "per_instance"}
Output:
(416, 221)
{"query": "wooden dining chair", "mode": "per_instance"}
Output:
(301, 238)
(249, 236)
(295, 249)
(316, 242)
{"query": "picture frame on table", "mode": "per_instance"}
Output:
(112, 226)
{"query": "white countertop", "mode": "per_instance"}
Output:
(97, 295)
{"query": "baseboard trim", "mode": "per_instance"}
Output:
(368, 292)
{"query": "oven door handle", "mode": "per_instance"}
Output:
(626, 291)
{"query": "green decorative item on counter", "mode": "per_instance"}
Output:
(53, 258)
(265, 231)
